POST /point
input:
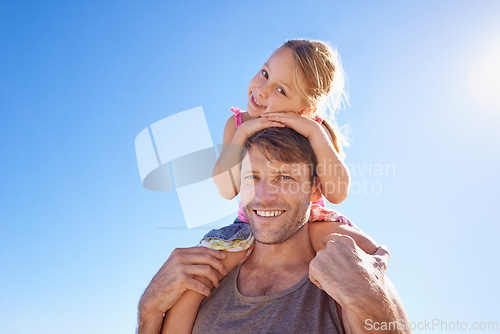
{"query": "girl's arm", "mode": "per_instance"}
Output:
(222, 176)
(332, 172)
(226, 173)
(181, 317)
(318, 230)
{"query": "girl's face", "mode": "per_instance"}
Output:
(272, 89)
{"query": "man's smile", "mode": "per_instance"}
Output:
(269, 213)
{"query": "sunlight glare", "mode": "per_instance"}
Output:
(484, 79)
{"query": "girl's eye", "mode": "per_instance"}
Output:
(282, 91)
(264, 73)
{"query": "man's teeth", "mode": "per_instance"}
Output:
(269, 213)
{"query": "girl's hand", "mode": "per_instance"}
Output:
(176, 276)
(254, 125)
(303, 125)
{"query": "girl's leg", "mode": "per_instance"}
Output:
(319, 229)
(180, 318)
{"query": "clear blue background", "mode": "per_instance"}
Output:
(80, 238)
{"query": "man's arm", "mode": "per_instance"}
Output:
(174, 278)
(390, 317)
(357, 282)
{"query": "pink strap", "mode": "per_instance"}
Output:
(237, 116)
(318, 119)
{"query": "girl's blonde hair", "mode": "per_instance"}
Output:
(319, 76)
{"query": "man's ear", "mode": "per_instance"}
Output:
(316, 190)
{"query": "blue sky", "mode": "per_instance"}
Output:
(80, 237)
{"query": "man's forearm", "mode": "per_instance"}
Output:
(373, 322)
(149, 322)
(380, 312)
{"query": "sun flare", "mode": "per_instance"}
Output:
(484, 79)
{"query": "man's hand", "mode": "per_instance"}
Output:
(346, 272)
(173, 279)
(356, 281)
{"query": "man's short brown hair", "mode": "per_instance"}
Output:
(282, 144)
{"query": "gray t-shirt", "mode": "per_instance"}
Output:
(303, 308)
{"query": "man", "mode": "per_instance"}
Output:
(284, 286)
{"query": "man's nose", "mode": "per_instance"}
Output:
(266, 192)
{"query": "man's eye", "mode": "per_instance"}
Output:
(281, 91)
(286, 177)
(250, 177)
(264, 73)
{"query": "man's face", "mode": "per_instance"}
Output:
(275, 196)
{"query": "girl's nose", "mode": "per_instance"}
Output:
(262, 90)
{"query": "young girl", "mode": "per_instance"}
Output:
(293, 89)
